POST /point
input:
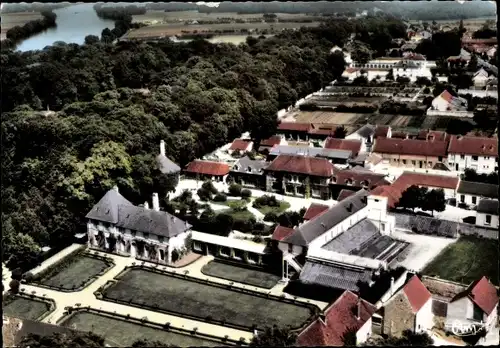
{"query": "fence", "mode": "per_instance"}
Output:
(450, 113)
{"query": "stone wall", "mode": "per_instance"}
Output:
(398, 316)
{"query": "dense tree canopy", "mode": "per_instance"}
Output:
(74, 340)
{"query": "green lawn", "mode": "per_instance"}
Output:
(277, 210)
(238, 215)
(466, 260)
(25, 308)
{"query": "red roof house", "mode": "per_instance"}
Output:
(315, 210)
(410, 147)
(343, 144)
(242, 145)
(294, 127)
(473, 146)
(382, 132)
(347, 313)
(281, 232)
(302, 165)
(359, 178)
(207, 168)
(272, 141)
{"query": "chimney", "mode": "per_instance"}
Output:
(156, 202)
(162, 147)
(146, 205)
(392, 286)
(322, 317)
(115, 188)
(358, 309)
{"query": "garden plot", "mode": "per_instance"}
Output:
(25, 308)
(255, 277)
(121, 333)
(198, 300)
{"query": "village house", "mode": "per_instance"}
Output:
(248, 173)
(477, 304)
(382, 132)
(267, 144)
(349, 313)
(207, 170)
(240, 146)
(344, 193)
(478, 153)
(442, 291)
(411, 153)
(409, 309)
(411, 69)
(165, 165)
(314, 210)
(446, 102)
(305, 131)
(334, 156)
(301, 176)
(355, 179)
(421, 35)
(115, 223)
(355, 146)
(487, 213)
(470, 193)
(480, 78)
(365, 134)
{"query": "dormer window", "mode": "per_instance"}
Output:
(249, 169)
(364, 183)
(348, 181)
(236, 167)
(334, 179)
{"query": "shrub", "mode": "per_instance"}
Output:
(234, 190)
(220, 197)
(17, 274)
(266, 200)
(209, 186)
(29, 277)
(271, 217)
(204, 194)
(245, 194)
(209, 318)
(257, 239)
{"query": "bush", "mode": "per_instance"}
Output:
(29, 277)
(271, 217)
(245, 194)
(235, 190)
(17, 274)
(266, 200)
(220, 197)
(14, 286)
(245, 226)
(209, 186)
(204, 194)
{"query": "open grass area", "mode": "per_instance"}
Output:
(120, 333)
(277, 210)
(466, 260)
(254, 277)
(200, 300)
(75, 272)
(25, 308)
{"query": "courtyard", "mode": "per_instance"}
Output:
(466, 260)
(74, 271)
(210, 302)
(25, 308)
(121, 333)
(254, 277)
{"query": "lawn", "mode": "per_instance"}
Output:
(25, 308)
(188, 297)
(74, 272)
(120, 333)
(254, 277)
(277, 210)
(466, 260)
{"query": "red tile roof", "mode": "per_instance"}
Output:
(446, 96)
(417, 293)
(412, 147)
(360, 178)
(343, 144)
(274, 140)
(340, 317)
(477, 146)
(393, 195)
(408, 179)
(344, 194)
(399, 135)
(315, 210)
(294, 126)
(351, 70)
(281, 232)
(207, 167)
(491, 41)
(302, 165)
(240, 144)
(415, 56)
(381, 131)
(482, 293)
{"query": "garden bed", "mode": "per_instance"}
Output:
(201, 299)
(277, 210)
(245, 275)
(27, 307)
(123, 331)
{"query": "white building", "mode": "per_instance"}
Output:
(470, 193)
(487, 213)
(480, 78)
(478, 153)
(412, 70)
(446, 102)
(115, 224)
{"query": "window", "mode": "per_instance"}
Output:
(488, 219)
(462, 198)
(290, 248)
(161, 239)
(462, 156)
(440, 158)
(162, 255)
(414, 163)
(474, 199)
(474, 158)
(133, 233)
(196, 245)
(486, 157)
(404, 161)
(478, 313)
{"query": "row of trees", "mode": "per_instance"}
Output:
(423, 198)
(18, 33)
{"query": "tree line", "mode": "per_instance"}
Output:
(18, 33)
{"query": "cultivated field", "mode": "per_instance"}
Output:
(199, 300)
(180, 29)
(254, 277)
(120, 333)
(10, 20)
(24, 308)
(466, 260)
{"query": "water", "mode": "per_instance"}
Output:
(73, 24)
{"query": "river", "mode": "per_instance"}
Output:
(73, 24)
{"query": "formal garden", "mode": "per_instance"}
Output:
(241, 273)
(269, 204)
(27, 306)
(466, 260)
(72, 273)
(179, 294)
(121, 331)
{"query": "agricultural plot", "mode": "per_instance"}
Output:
(25, 308)
(199, 300)
(195, 15)
(341, 118)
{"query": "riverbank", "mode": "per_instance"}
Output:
(10, 20)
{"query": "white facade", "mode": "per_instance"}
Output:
(440, 104)
(424, 319)
(486, 220)
(364, 332)
(463, 309)
(480, 78)
(481, 164)
(412, 73)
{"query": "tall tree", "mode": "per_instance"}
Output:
(340, 132)
(434, 201)
(412, 197)
(274, 337)
(74, 340)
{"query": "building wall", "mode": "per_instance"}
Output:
(398, 316)
(460, 309)
(482, 165)
(296, 249)
(440, 104)
(467, 199)
(410, 162)
(481, 220)
(412, 73)
(480, 80)
(424, 319)
(364, 332)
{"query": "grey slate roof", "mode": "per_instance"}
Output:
(115, 209)
(354, 239)
(166, 166)
(488, 206)
(243, 164)
(310, 151)
(314, 228)
(478, 189)
(106, 209)
(366, 131)
(334, 275)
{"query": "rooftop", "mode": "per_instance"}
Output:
(343, 144)
(482, 293)
(478, 189)
(239, 244)
(412, 147)
(488, 206)
(240, 145)
(417, 293)
(207, 168)
(310, 151)
(249, 166)
(314, 210)
(302, 165)
(359, 178)
(478, 146)
(166, 165)
(344, 193)
(355, 238)
(281, 232)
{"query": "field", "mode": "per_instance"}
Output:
(159, 30)
(75, 273)
(25, 308)
(120, 333)
(190, 298)
(466, 260)
(243, 275)
(10, 20)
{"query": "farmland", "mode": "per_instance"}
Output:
(10, 20)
